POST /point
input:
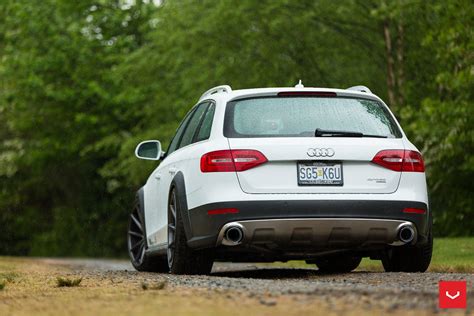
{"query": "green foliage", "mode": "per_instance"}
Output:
(81, 83)
(443, 124)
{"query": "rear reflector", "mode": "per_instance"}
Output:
(400, 160)
(223, 211)
(307, 93)
(414, 210)
(231, 160)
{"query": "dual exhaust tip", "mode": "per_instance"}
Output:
(406, 234)
(233, 235)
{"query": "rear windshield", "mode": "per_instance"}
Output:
(301, 116)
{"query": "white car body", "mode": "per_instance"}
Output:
(275, 180)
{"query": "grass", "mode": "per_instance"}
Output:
(449, 255)
(9, 276)
(159, 285)
(455, 254)
(121, 293)
(68, 282)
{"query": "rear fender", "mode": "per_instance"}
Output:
(180, 187)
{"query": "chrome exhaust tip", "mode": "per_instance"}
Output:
(233, 236)
(406, 234)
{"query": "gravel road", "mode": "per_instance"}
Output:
(382, 291)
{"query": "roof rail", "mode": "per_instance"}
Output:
(360, 88)
(223, 88)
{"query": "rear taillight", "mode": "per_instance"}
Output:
(231, 160)
(400, 160)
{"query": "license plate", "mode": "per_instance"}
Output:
(320, 173)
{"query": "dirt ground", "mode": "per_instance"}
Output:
(113, 288)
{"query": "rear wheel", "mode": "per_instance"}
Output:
(181, 258)
(338, 264)
(137, 245)
(409, 258)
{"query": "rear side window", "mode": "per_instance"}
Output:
(206, 124)
(301, 116)
(193, 124)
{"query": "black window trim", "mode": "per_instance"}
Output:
(198, 129)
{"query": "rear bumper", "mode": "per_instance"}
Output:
(343, 216)
(317, 233)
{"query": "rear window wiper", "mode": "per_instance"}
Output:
(327, 133)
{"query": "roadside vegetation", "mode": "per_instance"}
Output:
(82, 82)
(449, 255)
(68, 282)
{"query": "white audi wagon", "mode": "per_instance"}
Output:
(275, 174)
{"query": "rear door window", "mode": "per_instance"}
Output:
(193, 124)
(179, 133)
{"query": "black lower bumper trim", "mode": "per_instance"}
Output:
(205, 228)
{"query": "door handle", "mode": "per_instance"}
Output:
(172, 170)
(157, 175)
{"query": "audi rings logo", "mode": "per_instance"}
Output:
(320, 152)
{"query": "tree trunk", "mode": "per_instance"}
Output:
(400, 73)
(390, 63)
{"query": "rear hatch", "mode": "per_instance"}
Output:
(280, 173)
(283, 130)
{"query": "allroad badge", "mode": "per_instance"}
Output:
(320, 152)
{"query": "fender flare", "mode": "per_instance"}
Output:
(180, 187)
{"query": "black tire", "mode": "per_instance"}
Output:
(137, 244)
(338, 264)
(408, 258)
(181, 258)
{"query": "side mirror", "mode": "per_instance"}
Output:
(149, 150)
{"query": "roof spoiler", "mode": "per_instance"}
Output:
(360, 89)
(223, 88)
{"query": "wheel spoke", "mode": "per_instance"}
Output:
(171, 239)
(139, 243)
(137, 222)
(173, 211)
(170, 257)
(142, 252)
(135, 234)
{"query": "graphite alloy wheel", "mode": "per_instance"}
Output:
(408, 258)
(172, 220)
(137, 245)
(181, 258)
(338, 264)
